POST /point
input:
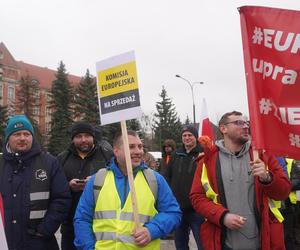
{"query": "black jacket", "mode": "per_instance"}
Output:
(15, 189)
(181, 170)
(75, 167)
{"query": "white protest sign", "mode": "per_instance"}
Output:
(118, 91)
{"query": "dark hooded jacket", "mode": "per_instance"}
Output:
(16, 179)
(75, 167)
(181, 170)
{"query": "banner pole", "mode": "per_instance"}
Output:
(255, 154)
(130, 174)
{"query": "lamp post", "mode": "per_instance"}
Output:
(192, 89)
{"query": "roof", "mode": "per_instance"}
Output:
(43, 75)
(6, 58)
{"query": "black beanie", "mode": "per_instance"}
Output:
(191, 129)
(82, 127)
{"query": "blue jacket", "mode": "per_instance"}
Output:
(167, 219)
(15, 189)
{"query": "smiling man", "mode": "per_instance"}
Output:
(180, 174)
(104, 215)
(35, 192)
(237, 194)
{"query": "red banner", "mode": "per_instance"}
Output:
(271, 45)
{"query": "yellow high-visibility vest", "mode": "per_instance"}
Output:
(292, 195)
(113, 225)
(212, 195)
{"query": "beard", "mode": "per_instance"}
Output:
(85, 148)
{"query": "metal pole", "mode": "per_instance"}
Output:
(192, 89)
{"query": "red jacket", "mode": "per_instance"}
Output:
(211, 230)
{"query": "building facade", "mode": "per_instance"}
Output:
(11, 73)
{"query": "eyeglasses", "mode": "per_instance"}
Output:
(239, 123)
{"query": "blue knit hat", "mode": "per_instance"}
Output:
(16, 123)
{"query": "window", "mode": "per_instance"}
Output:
(36, 110)
(48, 111)
(48, 127)
(11, 93)
(49, 97)
(36, 93)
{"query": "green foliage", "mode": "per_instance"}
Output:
(3, 120)
(86, 101)
(28, 102)
(133, 125)
(109, 131)
(187, 120)
(167, 123)
(61, 118)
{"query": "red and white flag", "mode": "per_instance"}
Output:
(205, 127)
(271, 46)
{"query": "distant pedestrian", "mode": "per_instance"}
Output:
(181, 169)
(168, 148)
(150, 160)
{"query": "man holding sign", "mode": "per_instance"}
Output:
(237, 193)
(104, 216)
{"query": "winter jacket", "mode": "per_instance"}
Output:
(212, 230)
(167, 219)
(15, 186)
(75, 167)
(181, 169)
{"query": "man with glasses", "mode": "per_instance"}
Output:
(237, 194)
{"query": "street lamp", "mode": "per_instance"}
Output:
(192, 89)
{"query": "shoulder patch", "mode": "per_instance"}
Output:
(41, 174)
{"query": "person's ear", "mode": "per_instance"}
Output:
(222, 128)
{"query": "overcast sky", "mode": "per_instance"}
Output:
(198, 39)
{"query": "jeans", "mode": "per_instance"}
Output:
(190, 221)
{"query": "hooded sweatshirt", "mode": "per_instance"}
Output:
(240, 196)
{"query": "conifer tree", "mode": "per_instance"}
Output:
(3, 120)
(167, 123)
(28, 102)
(187, 120)
(61, 118)
(109, 131)
(86, 101)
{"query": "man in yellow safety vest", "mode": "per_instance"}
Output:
(104, 215)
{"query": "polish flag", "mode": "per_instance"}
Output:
(205, 127)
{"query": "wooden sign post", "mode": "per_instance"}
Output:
(119, 101)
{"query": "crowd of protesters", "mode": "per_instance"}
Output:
(228, 195)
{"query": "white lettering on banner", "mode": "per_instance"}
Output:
(294, 140)
(274, 39)
(290, 116)
(287, 115)
(267, 69)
